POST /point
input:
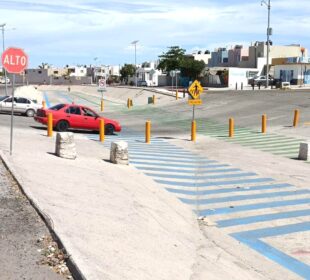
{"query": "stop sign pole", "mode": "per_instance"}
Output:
(14, 61)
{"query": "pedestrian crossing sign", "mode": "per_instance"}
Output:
(195, 89)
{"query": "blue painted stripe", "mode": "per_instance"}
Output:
(197, 161)
(197, 177)
(184, 171)
(194, 166)
(244, 197)
(228, 190)
(48, 104)
(215, 183)
(277, 256)
(263, 218)
(159, 148)
(164, 155)
(274, 231)
(265, 205)
(137, 141)
(167, 156)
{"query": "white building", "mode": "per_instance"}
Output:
(296, 71)
(202, 55)
(77, 71)
(149, 73)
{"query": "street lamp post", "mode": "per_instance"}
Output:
(135, 43)
(5, 76)
(268, 43)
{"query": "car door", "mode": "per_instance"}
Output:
(91, 119)
(22, 104)
(74, 116)
(7, 105)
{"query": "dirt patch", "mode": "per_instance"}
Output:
(21, 255)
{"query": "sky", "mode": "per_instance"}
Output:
(61, 32)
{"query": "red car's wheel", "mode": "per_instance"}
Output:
(62, 126)
(109, 129)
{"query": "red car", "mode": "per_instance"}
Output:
(74, 116)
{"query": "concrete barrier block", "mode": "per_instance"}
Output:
(304, 153)
(65, 146)
(119, 152)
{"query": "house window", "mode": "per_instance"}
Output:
(40, 72)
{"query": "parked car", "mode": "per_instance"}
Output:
(261, 80)
(2, 80)
(142, 84)
(21, 105)
(66, 116)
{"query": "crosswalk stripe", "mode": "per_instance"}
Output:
(251, 207)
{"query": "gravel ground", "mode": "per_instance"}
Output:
(20, 229)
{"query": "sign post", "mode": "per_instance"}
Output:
(195, 90)
(14, 61)
(102, 86)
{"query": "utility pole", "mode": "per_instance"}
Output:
(3, 47)
(135, 43)
(269, 32)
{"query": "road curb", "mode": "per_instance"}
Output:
(75, 271)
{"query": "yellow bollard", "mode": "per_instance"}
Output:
(102, 105)
(128, 103)
(177, 95)
(264, 123)
(131, 104)
(148, 132)
(231, 127)
(101, 130)
(49, 124)
(154, 99)
(43, 104)
(193, 133)
(296, 118)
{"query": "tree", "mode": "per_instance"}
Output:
(171, 60)
(128, 70)
(44, 65)
(191, 68)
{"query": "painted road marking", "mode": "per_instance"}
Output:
(251, 207)
(228, 190)
(262, 218)
(187, 171)
(214, 183)
(243, 195)
(201, 177)
(48, 104)
(252, 239)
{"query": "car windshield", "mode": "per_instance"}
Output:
(57, 107)
(3, 97)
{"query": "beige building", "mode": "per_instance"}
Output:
(259, 50)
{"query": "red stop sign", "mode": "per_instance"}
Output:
(14, 60)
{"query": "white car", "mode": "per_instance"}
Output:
(262, 80)
(21, 105)
(2, 80)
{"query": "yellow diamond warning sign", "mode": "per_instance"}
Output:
(195, 89)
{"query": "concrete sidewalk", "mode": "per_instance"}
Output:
(115, 222)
